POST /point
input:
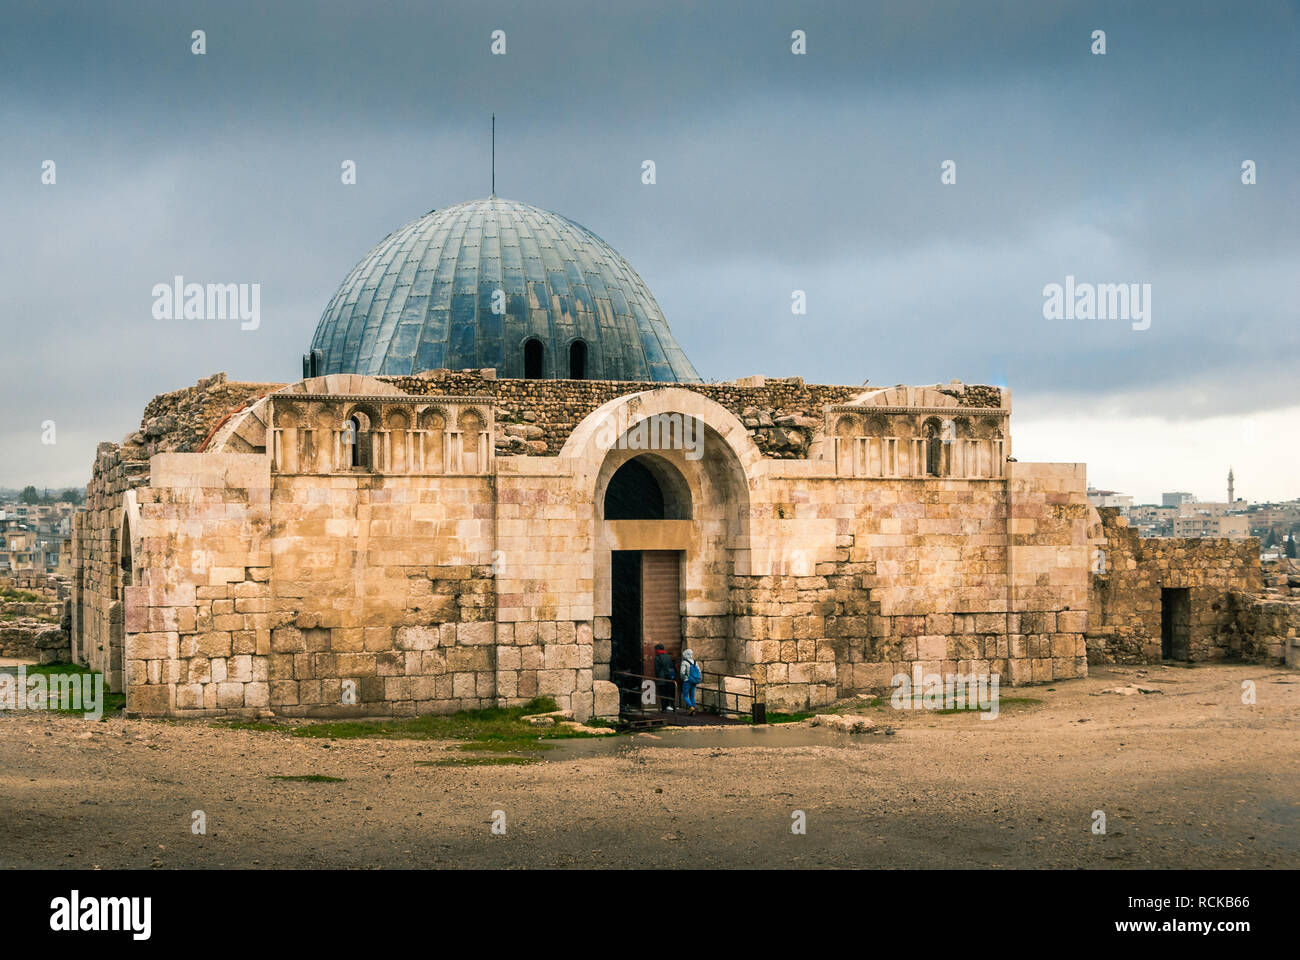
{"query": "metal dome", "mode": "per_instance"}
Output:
(469, 286)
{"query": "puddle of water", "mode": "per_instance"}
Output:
(696, 738)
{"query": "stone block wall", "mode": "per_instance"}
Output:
(781, 415)
(177, 421)
(1260, 629)
(27, 639)
(873, 577)
(1282, 578)
(196, 612)
(385, 582)
(1125, 595)
(254, 585)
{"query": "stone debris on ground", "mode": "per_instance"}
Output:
(844, 723)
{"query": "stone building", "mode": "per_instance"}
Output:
(389, 536)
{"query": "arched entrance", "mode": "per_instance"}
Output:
(701, 460)
(645, 584)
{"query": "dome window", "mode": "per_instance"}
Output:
(578, 360)
(533, 359)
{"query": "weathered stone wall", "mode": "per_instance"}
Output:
(196, 614)
(51, 585)
(278, 582)
(28, 639)
(1260, 629)
(1282, 578)
(385, 581)
(177, 421)
(874, 576)
(1125, 596)
(97, 583)
(781, 415)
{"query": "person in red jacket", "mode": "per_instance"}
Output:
(665, 674)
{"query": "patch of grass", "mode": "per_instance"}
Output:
(776, 717)
(496, 728)
(23, 596)
(112, 702)
(306, 778)
(1003, 703)
(237, 724)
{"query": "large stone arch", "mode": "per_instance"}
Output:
(714, 542)
(586, 447)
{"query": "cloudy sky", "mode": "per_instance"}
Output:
(775, 173)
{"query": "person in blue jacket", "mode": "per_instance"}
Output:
(690, 679)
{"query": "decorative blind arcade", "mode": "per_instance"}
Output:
(460, 442)
(962, 458)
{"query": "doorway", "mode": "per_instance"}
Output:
(1175, 623)
(645, 608)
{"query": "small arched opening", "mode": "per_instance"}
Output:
(647, 488)
(578, 360)
(533, 358)
(124, 562)
(356, 435)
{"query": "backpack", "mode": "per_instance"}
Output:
(695, 676)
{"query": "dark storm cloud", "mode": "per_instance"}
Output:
(775, 173)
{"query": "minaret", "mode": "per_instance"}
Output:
(1230, 500)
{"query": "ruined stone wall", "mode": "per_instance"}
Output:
(196, 616)
(34, 630)
(1260, 629)
(535, 417)
(28, 639)
(97, 581)
(1125, 596)
(52, 585)
(177, 421)
(1282, 578)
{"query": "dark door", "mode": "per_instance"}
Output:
(625, 615)
(1175, 623)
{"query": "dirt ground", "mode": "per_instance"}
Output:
(1189, 777)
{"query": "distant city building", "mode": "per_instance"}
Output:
(1109, 498)
(1177, 498)
(1209, 508)
(36, 538)
(1208, 525)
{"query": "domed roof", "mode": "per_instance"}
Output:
(470, 285)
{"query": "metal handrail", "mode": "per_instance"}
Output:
(728, 701)
(720, 689)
